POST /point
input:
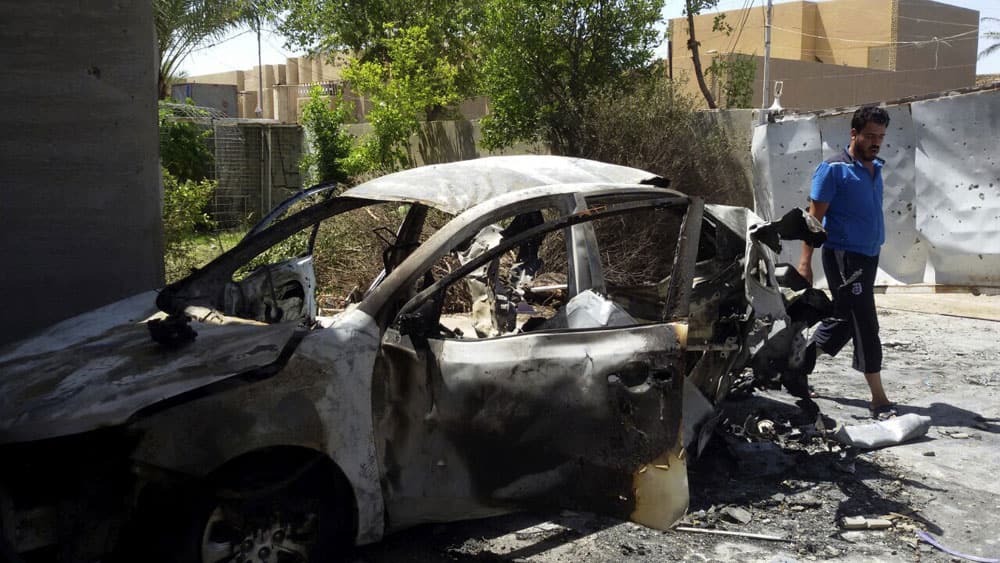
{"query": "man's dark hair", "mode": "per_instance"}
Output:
(867, 114)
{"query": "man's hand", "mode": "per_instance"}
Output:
(806, 270)
(817, 209)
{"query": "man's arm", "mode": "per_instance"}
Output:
(817, 209)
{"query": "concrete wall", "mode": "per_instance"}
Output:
(849, 29)
(920, 21)
(80, 213)
(827, 32)
(233, 78)
(249, 186)
(812, 86)
(221, 97)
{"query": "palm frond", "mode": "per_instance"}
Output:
(993, 36)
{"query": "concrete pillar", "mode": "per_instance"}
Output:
(292, 70)
(250, 80)
(305, 71)
(269, 74)
(267, 99)
(81, 199)
(248, 103)
(285, 106)
(317, 68)
(331, 72)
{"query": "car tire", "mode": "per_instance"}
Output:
(300, 519)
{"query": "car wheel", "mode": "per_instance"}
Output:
(280, 519)
(283, 528)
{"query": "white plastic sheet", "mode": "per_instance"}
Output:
(883, 433)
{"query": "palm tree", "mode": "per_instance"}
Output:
(993, 36)
(184, 25)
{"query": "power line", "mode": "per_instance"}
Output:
(870, 73)
(876, 43)
(217, 43)
(744, 18)
(924, 20)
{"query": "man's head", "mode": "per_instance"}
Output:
(867, 132)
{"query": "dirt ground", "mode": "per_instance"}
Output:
(798, 485)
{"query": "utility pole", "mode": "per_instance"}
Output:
(259, 112)
(767, 63)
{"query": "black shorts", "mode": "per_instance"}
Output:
(851, 278)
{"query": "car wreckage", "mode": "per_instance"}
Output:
(560, 341)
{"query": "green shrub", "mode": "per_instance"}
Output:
(328, 141)
(657, 128)
(184, 202)
(184, 150)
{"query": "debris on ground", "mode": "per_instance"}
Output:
(862, 523)
(930, 539)
(883, 433)
(737, 515)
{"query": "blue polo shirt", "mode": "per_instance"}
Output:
(854, 221)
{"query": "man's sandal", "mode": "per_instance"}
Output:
(884, 412)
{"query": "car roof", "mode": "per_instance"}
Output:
(457, 186)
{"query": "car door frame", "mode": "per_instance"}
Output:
(642, 357)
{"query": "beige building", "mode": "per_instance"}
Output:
(286, 88)
(840, 52)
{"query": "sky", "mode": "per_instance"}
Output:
(239, 50)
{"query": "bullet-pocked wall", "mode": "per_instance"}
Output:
(79, 193)
(941, 177)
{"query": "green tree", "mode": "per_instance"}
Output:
(323, 120)
(367, 27)
(736, 73)
(541, 60)
(184, 25)
(404, 90)
(994, 37)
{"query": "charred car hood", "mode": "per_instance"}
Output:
(100, 368)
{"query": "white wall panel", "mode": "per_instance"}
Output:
(942, 185)
(958, 180)
(785, 155)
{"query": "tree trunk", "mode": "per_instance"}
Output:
(693, 46)
(163, 87)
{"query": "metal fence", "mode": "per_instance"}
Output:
(232, 206)
(256, 163)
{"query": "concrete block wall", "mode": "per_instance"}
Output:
(80, 220)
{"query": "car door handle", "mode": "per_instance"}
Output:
(632, 374)
(640, 373)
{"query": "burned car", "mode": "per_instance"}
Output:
(560, 341)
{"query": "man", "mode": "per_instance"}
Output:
(846, 196)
